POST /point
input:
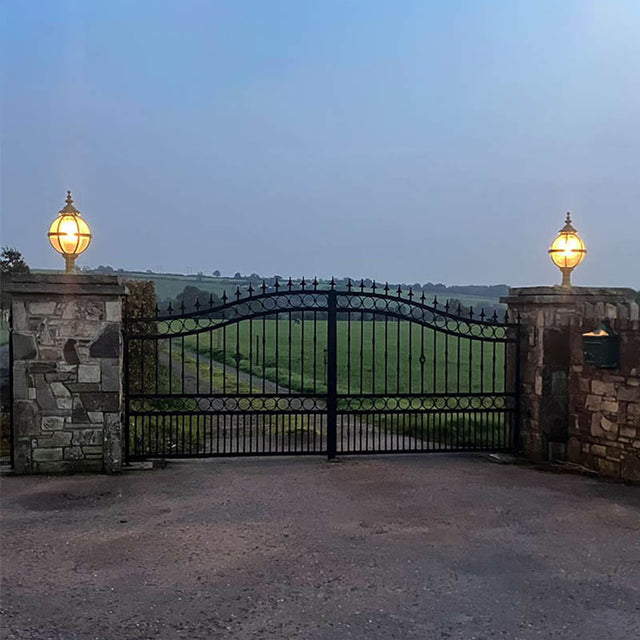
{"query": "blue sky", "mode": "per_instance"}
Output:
(409, 141)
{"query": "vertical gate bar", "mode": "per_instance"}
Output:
(484, 430)
(277, 355)
(237, 429)
(361, 348)
(315, 446)
(224, 361)
(264, 366)
(428, 416)
(182, 358)
(224, 434)
(142, 359)
(435, 360)
(422, 358)
(481, 365)
(470, 365)
(197, 363)
(386, 354)
(398, 355)
(367, 417)
(493, 429)
(458, 363)
(155, 342)
(410, 389)
(302, 350)
(170, 364)
(210, 359)
(332, 373)
(125, 386)
(348, 351)
(505, 368)
(493, 368)
(275, 433)
(315, 351)
(238, 328)
(446, 358)
(373, 353)
(250, 390)
(289, 341)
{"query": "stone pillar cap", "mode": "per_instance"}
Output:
(65, 284)
(569, 295)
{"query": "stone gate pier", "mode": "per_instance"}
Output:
(67, 373)
(571, 410)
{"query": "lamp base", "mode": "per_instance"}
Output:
(70, 264)
(566, 277)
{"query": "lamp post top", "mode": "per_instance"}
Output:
(69, 208)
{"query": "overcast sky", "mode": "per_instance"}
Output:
(401, 140)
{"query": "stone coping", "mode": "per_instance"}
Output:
(558, 295)
(64, 284)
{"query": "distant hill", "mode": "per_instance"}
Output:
(170, 285)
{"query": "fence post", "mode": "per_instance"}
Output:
(332, 374)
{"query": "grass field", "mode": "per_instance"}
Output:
(373, 357)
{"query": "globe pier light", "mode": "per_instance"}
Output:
(567, 251)
(69, 234)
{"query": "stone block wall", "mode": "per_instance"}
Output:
(67, 373)
(569, 410)
(604, 404)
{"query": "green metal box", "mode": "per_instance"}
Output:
(601, 347)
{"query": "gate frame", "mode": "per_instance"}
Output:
(511, 337)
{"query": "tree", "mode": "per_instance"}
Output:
(12, 261)
(189, 296)
(216, 274)
(237, 275)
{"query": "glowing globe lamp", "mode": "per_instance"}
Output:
(69, 234)
(567, 251)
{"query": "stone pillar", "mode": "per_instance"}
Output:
(571, 411)
(67, 373)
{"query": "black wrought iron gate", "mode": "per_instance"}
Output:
(301, 369)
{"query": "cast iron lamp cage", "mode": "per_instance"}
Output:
(567, 251)
(69, 234)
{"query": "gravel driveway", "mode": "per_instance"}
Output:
(433, 546)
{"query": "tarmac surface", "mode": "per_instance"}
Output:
(420, 546)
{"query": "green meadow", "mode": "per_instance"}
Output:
(372, 357)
